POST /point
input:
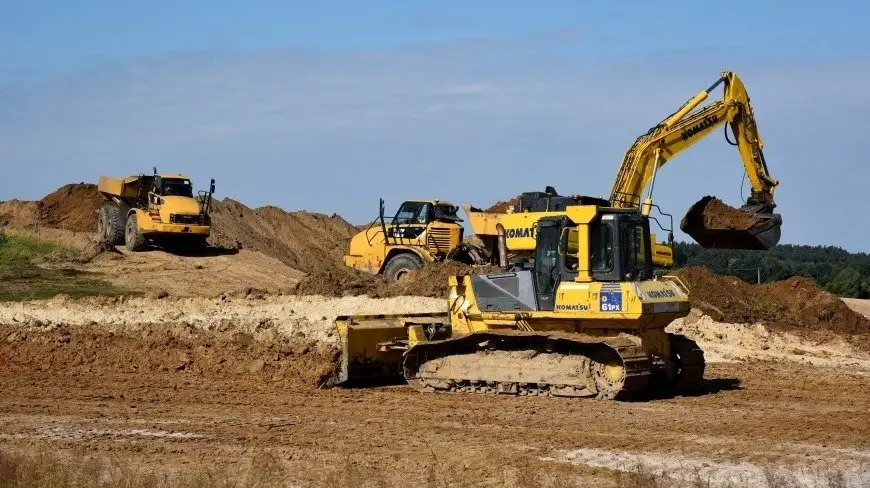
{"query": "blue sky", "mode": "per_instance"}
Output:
(328, 106)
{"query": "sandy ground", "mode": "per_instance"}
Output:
(859, 305)
(108, 377)
(215, 273)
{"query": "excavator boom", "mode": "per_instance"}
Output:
(757, 227)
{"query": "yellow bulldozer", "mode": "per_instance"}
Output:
(421, 232)
(586, 316)
(154, 209)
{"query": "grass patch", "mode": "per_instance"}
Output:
(21, 277)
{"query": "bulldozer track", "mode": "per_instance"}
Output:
(691, 362)
(572, 365)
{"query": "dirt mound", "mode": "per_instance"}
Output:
(501, 207)
(796, 304)
(307, 241)
(712, 213)
(166, 348)
(19, 214)
(431, 281)
(72, 207)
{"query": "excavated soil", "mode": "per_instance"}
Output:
(430, 281)
(71, 207)
(170, 395)
(282, 360)
(712, 213)
(502, 206)
(307, 241)
(796, 304)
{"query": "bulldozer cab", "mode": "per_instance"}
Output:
(619, 250)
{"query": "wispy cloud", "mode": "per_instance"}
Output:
(474, 122)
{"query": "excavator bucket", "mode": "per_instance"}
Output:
(715, 225)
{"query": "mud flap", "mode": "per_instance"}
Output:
(717, 226)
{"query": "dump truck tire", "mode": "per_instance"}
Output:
(401, 264)
(109, 225)
(135, 240)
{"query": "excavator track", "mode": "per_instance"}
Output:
(530, 363)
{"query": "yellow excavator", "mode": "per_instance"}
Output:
(681, 130)
(586, 317)
(661, 143)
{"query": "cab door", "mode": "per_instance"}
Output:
(547, 268)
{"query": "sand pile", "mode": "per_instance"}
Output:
(72, 207)
(431, 281)
(795, 305)
(309, 242)
(502, 206)
(19, 214)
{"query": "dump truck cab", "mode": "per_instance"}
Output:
(159, 208)
(420, 232)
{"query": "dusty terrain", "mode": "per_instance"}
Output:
(225, 357)
(169, 382)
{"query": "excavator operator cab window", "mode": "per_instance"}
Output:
(412, 213)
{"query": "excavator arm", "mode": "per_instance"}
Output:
(683, 129)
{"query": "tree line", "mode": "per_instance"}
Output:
(841, 272)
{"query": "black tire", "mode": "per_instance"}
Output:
(135, 240)
(400, 264)
(109, 225)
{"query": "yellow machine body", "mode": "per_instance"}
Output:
(421, 232)
(570, 326)
(519, 233)
(161, 208)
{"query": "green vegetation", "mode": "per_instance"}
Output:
(21, 278)
(843, 273)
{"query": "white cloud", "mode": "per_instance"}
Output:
(472, 122)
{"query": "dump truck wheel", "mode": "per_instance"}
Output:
(109, 225)
(400, 265)
(135, 240)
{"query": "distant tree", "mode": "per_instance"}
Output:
(848, 283)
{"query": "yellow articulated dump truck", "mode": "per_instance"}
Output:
(156, 209)
(421, 232)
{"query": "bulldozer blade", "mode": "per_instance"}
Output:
(717, 226)
(373, 346)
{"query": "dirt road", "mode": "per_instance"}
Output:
(178, 396)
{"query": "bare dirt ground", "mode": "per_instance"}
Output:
(215, 384)
(214, 273)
